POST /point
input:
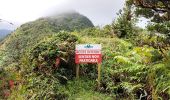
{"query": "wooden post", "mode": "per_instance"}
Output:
(99, 75)
(77, 71)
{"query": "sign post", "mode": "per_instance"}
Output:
(77, 71)
(99, 75)
(88, 53)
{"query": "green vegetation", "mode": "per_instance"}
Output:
(37, 61)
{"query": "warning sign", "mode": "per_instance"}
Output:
(88, 53)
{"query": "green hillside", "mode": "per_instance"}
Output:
(132, 68)
(31, 33)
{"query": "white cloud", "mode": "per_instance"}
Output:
(26, 10)
(101, 12)
(21, 11)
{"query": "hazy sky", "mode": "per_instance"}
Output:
(100, 12)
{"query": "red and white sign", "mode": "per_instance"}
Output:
(88, 53)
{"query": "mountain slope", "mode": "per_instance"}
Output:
(31, 33)
(43, 32)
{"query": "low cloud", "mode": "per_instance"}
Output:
(101, 12)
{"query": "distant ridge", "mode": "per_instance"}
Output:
(4, 33)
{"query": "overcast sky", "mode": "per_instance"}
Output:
(100, 12)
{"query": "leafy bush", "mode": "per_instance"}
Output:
(97, 32)
(145, 54)
(59, 46)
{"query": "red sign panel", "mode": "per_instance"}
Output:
(86, 53)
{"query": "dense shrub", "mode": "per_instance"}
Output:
(59, 46)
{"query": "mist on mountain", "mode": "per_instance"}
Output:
(4, 33)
